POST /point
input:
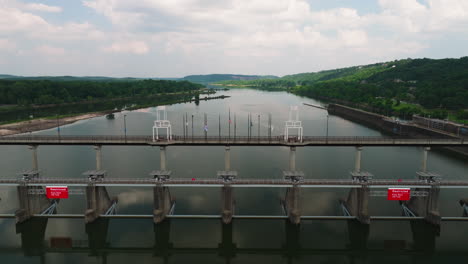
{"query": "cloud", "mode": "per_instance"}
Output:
(42, 7)
(353, 38)
(14, 20)
(244, 36)
(135, 47)
(50, 50)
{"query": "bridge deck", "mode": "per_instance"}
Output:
(308, 183)
(232, 141)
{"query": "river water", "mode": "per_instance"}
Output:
(252, 241)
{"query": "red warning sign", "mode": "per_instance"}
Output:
(57, 192)
(398, 194)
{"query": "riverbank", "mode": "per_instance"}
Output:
(52, 122)
(44, 123)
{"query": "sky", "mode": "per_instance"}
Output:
(175, 38)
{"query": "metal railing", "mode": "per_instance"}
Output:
(143, 139)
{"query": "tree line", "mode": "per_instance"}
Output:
(40, 92)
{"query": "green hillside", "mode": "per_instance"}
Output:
(211, 78)
(67, 78)
(405, 87)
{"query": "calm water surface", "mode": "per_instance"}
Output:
(245, 241)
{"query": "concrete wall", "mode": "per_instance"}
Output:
(390, 126)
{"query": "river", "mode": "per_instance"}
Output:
(253, 241)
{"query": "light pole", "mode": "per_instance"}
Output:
(125, 127)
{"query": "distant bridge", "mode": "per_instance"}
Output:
(229, 141)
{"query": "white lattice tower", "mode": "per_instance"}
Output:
(293, 123)
(161, 122)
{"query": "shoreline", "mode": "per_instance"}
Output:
(48, 123)
(44, 123)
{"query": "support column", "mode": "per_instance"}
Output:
(32, 236)
(357, 204)
(227, 159)
(98, 149)
(163, 158)
(162, 235)
(35, 164)
(98, 202)
(227, 203)
(227, 248)
(291, 204)
(32, 199)
(426, 206)
(163, 203)
(424, 159)
(357, 161)
(97, 235)
(31, 202)
(292, 159)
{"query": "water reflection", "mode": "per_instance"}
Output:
(293, 249)
(243, 241)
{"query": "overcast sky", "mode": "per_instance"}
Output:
(174, 38)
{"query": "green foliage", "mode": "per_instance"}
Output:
(40, 92)
(211, 78)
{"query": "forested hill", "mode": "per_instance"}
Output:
(210, 78)
(68, 78)
(26, 92)
(402, 86)
(430, 83)
(203, 79)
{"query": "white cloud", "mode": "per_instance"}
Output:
(135, 47)
(42, 7)
(14, 20)
(243, 36)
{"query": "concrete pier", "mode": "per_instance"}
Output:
(35, 163)
(162, 238)
(98, 149)
(293, 238)
(227, 203)
(426, 206)
(357, 204)
(32, 199)
(227, 247)
(357, 160)
(227, 158)
(97, 235)
(97, 197)
(162, 154)
(98, 202)
(292, 205)
(32, 236)
(30, 202)
(424, 159)
(358, 234)
(163, 203)
(292, 159)
(424, 236)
